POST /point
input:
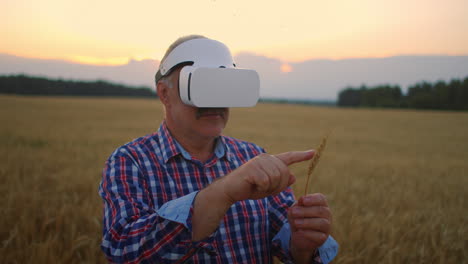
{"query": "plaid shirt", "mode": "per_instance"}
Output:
(148, 188)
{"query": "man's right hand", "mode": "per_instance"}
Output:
(262, 176)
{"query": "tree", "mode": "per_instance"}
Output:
(423, 95)
(25, 85)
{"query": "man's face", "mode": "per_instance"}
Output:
(189, 120)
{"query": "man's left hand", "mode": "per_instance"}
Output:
(310, 220)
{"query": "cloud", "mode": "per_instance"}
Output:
(313, 79)
(133, 73)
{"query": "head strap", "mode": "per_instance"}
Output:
(201, 52)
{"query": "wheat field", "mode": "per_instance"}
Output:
(397, 181)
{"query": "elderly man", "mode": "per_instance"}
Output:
(187, 194)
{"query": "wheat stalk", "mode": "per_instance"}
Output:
(314, 161)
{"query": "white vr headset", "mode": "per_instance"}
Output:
(209, 77)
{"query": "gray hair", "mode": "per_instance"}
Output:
(174, 45)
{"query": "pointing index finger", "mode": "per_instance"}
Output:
(292, 157)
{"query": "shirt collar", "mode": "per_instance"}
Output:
(171, 148)
(167, 143)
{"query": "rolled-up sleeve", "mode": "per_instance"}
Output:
(281, 231)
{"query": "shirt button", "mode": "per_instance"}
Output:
(211, 252)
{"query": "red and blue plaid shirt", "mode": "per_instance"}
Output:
(148, 188)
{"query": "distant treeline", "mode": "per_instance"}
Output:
(423, 95)
(298, 101)
(27, 85)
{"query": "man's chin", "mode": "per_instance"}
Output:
(213, 130)
(212, 117)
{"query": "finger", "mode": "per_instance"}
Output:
(316, 224)
(309, 238)
(292, 179)
(262, 182)
(292, 157)
(312, 211)
(259, 180)
(316, 199)
(284, 175)
(271, 166)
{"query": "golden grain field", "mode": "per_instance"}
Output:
(397, 181)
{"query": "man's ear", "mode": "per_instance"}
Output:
(163, 92)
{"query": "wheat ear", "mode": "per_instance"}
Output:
(314, 161)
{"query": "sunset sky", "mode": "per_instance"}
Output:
(112, 32)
